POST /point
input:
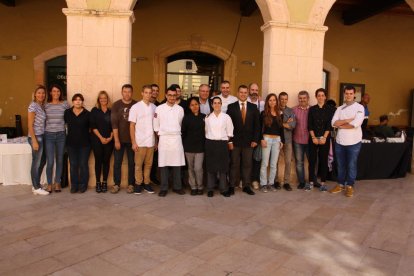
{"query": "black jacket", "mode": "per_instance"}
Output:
(250, 131)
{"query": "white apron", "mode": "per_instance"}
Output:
(170, 151)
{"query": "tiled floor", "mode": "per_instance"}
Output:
(280, 233)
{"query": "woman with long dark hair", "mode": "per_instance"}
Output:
(55, 136)
(272, 139)
(78, 144)
(102, 139)
(36, 128)
(193, 133)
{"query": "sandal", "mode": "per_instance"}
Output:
(58, 188)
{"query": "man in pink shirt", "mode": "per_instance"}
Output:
(301, 136)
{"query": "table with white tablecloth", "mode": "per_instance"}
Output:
(15, 163)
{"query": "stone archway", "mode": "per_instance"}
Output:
(410, 3)
(195, 44)
(39, 62)
(275, 10)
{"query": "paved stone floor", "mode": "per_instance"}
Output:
(279, 233)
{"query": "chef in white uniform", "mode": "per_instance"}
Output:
(167, 125)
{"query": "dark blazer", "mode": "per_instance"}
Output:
(250, 131)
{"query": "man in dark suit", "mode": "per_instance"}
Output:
(245, 117)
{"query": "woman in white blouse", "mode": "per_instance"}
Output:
(219, 128)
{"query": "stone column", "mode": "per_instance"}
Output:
(98, 51)
(292, 57)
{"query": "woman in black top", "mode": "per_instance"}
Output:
(272, 139)
(319, 126)
(78, 144)
(193, 134)
(102, 139)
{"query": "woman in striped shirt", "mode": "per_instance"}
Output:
(36, 128)
(55, 136)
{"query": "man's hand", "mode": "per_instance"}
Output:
(117, 145)
(231, 146)
(253, 144)
(135, 147)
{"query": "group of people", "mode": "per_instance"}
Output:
(224, 141)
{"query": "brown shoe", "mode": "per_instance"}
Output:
(338, 188)
(58, 188)
(130, 189)
(49, 188)
(349, 192)
(115, 189)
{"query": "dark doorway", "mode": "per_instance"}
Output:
(55, 73)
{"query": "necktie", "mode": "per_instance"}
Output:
(243, 112)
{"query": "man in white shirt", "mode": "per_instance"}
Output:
(205, 104)
(225, 96)
(347, 119)
(142, 139)
(167, 125)
(254, 96)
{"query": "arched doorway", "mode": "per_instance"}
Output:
(189, 69)
(55, 73)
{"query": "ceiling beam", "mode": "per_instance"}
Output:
(248, 7)
(368, 9)
(10, 3)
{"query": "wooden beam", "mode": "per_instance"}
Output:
(368, 9)
(10, 3)
(247, 7)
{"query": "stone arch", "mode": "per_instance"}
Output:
(102, 5)
(319, 11)
(39, 62)
(274, 10)
(195, 44)
(333, 80)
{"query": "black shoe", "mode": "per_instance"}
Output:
(104, 187)
(301, 186)
(248, 191)
(200, 192)
(231, 190)
(82, 190)
(98, 187)
(226, 194)
(193, 192)
(73, 190)
(179, 191)
(162, 193)
(287, 187)
(210, 193)
(137, 189)
(277, 186)
(148, 188)
(317, 185)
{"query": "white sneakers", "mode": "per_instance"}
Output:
(40, 191)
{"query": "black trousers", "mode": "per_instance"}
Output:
(318, 154)
(243, 156)
(102, 155)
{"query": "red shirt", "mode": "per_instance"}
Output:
(301, 133)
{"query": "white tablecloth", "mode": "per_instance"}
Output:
(15, 163)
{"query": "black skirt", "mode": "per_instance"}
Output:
(217, 156)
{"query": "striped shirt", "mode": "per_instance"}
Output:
(39, 119)
(301, 133)
(55, 121)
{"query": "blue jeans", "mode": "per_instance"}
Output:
(79, 169)
(300, 151)
(118, 156)
(347, 160)
(271, 151)
(55, 147)
(37, 158)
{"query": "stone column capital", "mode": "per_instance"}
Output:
(99, 13)
(301, 26)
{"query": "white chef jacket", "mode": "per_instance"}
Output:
(142, 115)
(219, 127)
(167, 122)
(352, 136)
